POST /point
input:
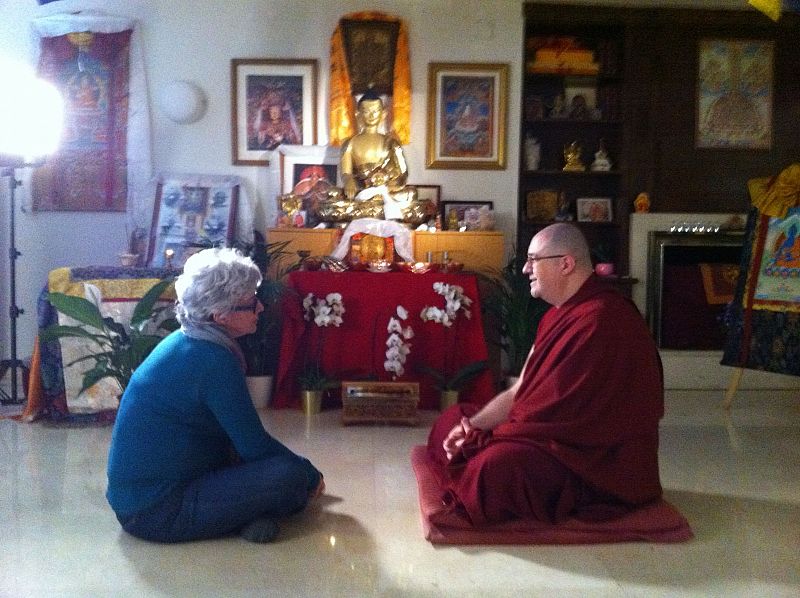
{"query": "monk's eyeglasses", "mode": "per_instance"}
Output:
(532, 259)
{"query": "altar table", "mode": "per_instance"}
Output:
(356, 349)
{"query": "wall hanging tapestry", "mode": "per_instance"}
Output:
(104, 158)
(370, 50)
(764, 316)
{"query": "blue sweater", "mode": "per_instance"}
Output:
(186, 404)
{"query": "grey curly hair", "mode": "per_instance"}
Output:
(213, 282)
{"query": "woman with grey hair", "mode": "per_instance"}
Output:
(189, 458)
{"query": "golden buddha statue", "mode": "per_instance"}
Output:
(374, 174)
(572, 158)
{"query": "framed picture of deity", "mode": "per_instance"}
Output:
(734, 94)
(273, 102)
(191, 213)
(467, 113)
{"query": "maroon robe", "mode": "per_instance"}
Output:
(581, 439)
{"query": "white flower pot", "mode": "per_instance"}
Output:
(260, 388)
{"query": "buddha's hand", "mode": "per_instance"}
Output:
(350, 188)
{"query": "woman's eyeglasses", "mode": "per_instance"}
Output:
(252, 306)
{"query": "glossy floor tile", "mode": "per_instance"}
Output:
(736, 476)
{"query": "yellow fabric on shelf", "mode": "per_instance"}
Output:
(774, 196)
(60, 281)
(342, 106)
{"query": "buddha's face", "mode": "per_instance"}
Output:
(371, 112)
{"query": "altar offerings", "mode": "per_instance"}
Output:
(380, 402)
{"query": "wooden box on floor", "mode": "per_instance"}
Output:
(380, 402)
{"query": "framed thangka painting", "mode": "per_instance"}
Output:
(273, 103)
(191, 213)
(734, 94)
(467, 105)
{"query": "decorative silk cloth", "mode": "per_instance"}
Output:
(53, 390)
(89, 171)
(352, 39)
(97, 61)
(764, 317)
(356, 349)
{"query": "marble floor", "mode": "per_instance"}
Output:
(736, 477)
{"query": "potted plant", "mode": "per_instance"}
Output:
(448, 381)
(516, 313)
(120, 347)
(261, 348)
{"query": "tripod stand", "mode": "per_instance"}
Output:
(14, 311)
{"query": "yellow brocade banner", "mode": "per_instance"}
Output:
(342, 104)
(771, 8)
(774, 196)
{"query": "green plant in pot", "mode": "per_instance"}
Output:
(516, 313)
(121, 348)
(261, 347)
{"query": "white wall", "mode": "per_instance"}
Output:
(195, 40)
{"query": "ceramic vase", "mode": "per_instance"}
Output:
(260, 388)
(312, 401)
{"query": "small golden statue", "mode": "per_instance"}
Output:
(572, 157)
(374, 174)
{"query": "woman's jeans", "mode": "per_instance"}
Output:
(224, 501)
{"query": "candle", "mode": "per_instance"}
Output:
(169, 254)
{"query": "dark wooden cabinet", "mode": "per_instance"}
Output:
(642, 100)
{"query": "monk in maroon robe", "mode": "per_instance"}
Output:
(577, 436)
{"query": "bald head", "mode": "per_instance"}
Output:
(567, 239)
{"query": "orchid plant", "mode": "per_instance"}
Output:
(323, 312)
(397, 349)
(456, 301)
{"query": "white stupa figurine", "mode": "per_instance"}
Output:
(601, 162)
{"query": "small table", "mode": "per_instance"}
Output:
(356, 349)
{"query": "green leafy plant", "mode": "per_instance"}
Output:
(121, 348)
(457, 380)
(516, 313)
(261, 347)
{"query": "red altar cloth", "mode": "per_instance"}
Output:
(356, 349)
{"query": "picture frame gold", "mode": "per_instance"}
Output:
(467, 115)
(258, 87)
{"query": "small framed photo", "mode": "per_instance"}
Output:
(306, 174)
(594, 209)
(432, 193)
(467, 107)
(306, 168)
(273, 102)
(462, 212)
(190, 213)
